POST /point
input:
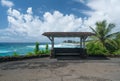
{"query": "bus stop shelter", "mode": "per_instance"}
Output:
(69, 51)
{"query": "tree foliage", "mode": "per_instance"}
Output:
(96, 48)
(103, 32)
(105, 40)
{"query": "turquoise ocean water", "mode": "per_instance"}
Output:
(7, 49)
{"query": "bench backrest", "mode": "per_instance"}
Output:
(68, 50)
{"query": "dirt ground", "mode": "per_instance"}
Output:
(45, 69)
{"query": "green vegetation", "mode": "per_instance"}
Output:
(36, 50)
(47, 51)
(116, 52)
(30, 54)
(36, 53)
(42, 52)
(15, 54)
(46, 47)
(104, 42)
(96, 48)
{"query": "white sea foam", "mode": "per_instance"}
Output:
(41, 46)
(67, 45)
(30, 46)
(5, 51)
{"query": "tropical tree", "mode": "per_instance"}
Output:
(116, 42)
(118, 36)
(103, 32)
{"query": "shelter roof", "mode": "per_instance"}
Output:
(67, 34)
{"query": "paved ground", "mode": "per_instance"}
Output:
(45, 69)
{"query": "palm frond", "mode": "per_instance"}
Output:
(113, 35)
(96, 33)
(109, 28)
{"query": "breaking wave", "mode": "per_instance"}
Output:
(5, 51)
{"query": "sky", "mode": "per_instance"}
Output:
(27, 20)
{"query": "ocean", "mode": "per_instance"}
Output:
(8, 49)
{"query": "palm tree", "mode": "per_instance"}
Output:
(116, 42)
(103, 32)
(118, 36)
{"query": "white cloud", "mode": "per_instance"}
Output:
(7, 3)
(103, 9)
(29, 27)
(29, 10)
(23, 25)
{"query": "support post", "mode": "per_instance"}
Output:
(84, 38)
(80, 42)
(52, 49)
(52, 42)
(84, 50)
(83, 43)
(80, 45)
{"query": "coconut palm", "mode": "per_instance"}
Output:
(114, 45)
(116, 42)
(103, 32)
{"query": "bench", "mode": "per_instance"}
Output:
(69, 52)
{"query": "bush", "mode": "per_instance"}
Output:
(116, 52)
(36, 50)
(96, 48)
(42, 52)
(113, 45)
(46, 47)
(15, 54)
(47, 51)
(38, 53)
(29, 54)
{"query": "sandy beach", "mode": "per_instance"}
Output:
(45, 69)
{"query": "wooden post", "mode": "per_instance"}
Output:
(80, 45)
(84, 41)
(52, 49)
(84, 50)
(52, 43)
(80, 42)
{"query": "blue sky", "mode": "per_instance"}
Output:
(26, 20)
(42, 6)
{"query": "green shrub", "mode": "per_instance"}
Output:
(47, 52)
(46, 48)
(116, 52)
(113, 46)
(29, 54)
(36, 50)
(15, 54)
(96, 48)
(42, 51)
(38, 53)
